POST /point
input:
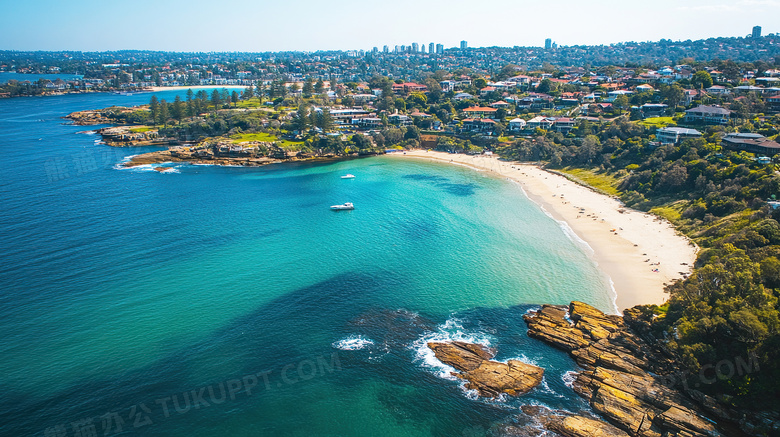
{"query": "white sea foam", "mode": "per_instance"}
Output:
(568, 378)
(451, 330)
(353, 343)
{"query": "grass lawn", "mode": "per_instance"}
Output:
(268, 138)
(140, 129)
(601, 181)
(658, 122)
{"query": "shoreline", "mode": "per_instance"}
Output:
(626, 246)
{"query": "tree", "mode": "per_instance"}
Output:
(319, 87)
(673, 94)
(249, 92)
(300, 120)
(225, 96)
(177, 110)
(621, 102)
(325, 120)
(701, 79)
(417, 99)
(216, 100)
(361, 141)
(234, 98)
(545, 86)
(479, 83)
(164, 113)
(308, 87)
(153, 107)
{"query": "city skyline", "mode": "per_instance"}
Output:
(303, 25)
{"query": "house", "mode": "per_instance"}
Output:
(399, 119)
(500, 105)
(362, 98)
(484, 125)
(409, 87)
(563, 125)
(653, 110)
(487, 90)
(675, 135)
(773, 103)
(690, 95)
(612, 95)
(718, 90)
(479, 111)
(539, 122)
(753, 143)
(447, 85)
(704, 114)
(645, 88)
(463, 96)
(516, 125)
(367, 122)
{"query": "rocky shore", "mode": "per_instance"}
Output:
(631, 383)
(623, 375)
(90, 117)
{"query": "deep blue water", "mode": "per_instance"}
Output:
(231, 301)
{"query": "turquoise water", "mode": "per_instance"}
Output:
(237, 296)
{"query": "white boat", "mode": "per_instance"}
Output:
(348, 176)
(345, 206)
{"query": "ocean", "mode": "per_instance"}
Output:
(227, 301)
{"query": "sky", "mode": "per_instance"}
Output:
(308, 25)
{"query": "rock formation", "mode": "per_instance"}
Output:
(489, 378)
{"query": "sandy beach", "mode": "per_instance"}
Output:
(639, 252)
(198, 87)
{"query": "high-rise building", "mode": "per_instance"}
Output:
(374, 50)
(415, 47)
(398, 49)
(439, 49)
(756, 31)
(431, 48)
(422, 48)
(548, 44)
(386, 49)
(464, 45)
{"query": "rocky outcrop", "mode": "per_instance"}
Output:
(86, 118)
(620, 377)
(537, 420)
(581, 426)
(488, 378)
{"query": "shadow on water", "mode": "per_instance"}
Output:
(298, 327)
